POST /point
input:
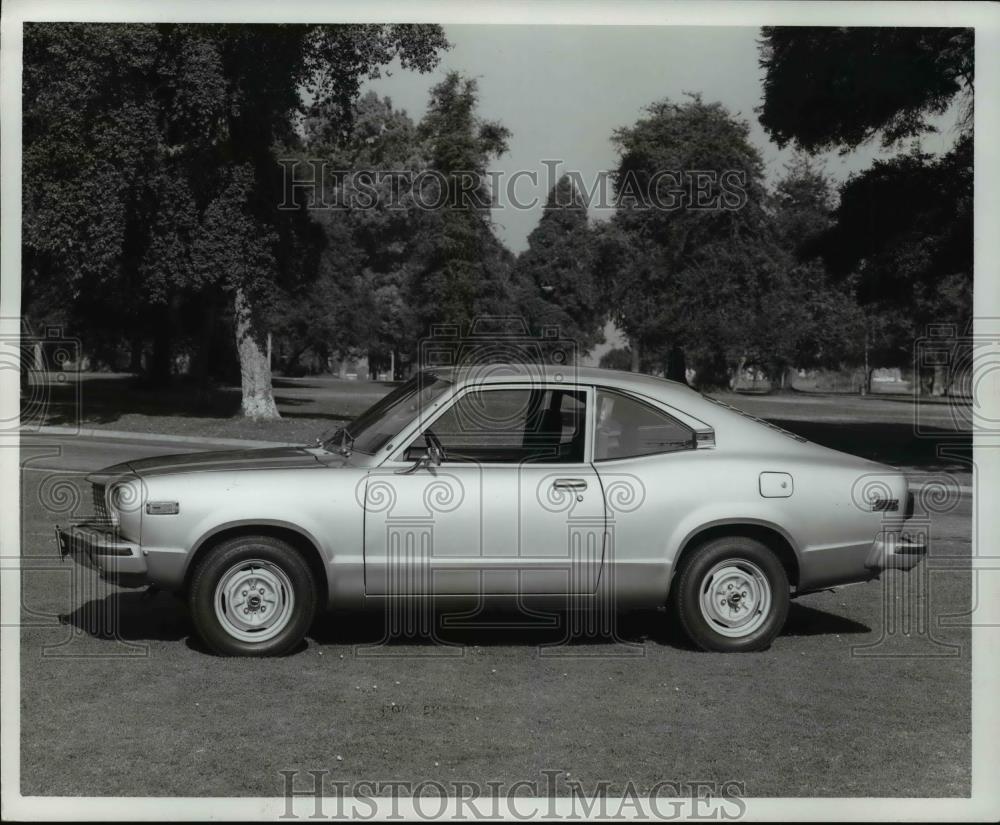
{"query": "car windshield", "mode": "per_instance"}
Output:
(371, 430)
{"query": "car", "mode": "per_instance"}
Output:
(538, 485)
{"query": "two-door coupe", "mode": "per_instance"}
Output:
(539, 485)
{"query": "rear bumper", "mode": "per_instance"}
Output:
(897, 551)
(99, 547)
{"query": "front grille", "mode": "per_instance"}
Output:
(100, 504)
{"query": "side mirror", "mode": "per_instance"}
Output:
(434, 453)
(432, 458)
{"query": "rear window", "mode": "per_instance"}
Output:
(628, 428)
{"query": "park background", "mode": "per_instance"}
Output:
(155, 245)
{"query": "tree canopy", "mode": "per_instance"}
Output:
(463, 270)
(902, 236)
(155, 199)
(691, 255)
(150, 172)
(827, 87)
(554, 277)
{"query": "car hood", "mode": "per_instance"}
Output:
(271, 458)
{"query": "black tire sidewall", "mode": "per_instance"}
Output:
(688, 581)
(221, 559)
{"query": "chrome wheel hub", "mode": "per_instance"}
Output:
(735, 598)
(254, 600)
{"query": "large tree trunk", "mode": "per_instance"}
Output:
(636, 354)
(255, 366)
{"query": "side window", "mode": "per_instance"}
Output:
(627, 428)
(512, 426)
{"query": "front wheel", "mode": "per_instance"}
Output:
(253, 596)
(731, 594)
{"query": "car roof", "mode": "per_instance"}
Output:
(565, 374)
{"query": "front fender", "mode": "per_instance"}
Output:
(318, 504)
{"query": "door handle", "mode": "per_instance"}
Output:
(570, 484)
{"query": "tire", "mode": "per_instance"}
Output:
(731, 595)
(238, 583)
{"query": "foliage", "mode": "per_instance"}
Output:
(902, 238)
(828, 87)
(357, 304)
(693, 276)
(150, 173)
(554, 277)
(904, 233)
(462, 271)
(419, 248)
(151, 186)
(619, 358)
(905, 222)
(822, 325)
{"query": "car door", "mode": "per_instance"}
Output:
(514, 508)
(648, 460)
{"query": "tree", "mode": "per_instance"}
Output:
(417, 248)
(618, 358)
(827, 87)
(819, 323)
(359, 304)
(903, 232)
(902, 238)
(691, 252)
(461, 270)
(554, 276)
(150, 163)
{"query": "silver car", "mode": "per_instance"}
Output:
(543, 486)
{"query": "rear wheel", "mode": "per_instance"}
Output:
(253, 596)
(731, 594)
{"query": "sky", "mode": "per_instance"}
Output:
(563, 90)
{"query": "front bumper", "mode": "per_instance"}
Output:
(99, 547)
(897, 551)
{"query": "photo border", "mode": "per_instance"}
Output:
(984, 803)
